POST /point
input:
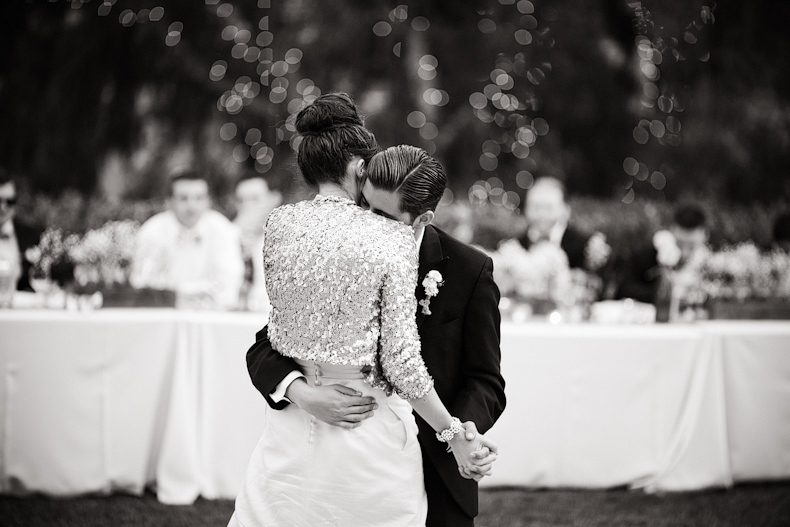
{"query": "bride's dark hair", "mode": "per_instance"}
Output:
(332, 134)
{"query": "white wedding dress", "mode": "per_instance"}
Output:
(341, 282)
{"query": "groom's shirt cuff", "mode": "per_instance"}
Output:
(279, 393)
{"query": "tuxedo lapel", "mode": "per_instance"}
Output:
(431, 257)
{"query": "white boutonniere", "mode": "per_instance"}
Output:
(431, 283)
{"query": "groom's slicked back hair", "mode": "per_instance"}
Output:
(332, 134)
(418, 178)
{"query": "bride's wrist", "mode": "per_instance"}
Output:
(453, 431)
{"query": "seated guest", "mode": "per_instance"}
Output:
(782, 232)
(15, 237)
(548, 214)
(684, 246)
(254, 201)
(190, 249)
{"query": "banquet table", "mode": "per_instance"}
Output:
(115, 400)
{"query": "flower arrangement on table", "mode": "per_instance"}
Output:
(680, 295)
(743, 279)
(103, 256)
(51, 264)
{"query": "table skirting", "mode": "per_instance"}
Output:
(114, 400)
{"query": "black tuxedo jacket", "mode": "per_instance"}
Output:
(460, 346)
(26, 237)
(639, 278)
(573, 243)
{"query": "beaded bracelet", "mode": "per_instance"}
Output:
(448, 433)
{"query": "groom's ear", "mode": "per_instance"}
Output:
(423, 220)
(359, 169)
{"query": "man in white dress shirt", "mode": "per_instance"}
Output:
(254, 201)
(190, 249)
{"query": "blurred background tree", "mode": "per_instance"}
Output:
(620, 99)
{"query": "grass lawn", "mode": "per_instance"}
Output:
(763, 505)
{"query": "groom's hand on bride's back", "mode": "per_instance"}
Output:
(334, 404)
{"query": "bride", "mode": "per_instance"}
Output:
(341, 282)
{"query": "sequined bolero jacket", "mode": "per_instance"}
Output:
(341, 282)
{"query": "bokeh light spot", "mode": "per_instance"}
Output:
(127, 18)
(227, 131)
(240, 153)
(225, 10)
(640, 135)
(492, 147)
(523, 37)
(420, 23)
(524, 179)
(279, 68)
(218, 70)
(526, 7)
(488, 161)
(486, 26)
(658, 180)
(673, 125)
(536, 76)
(396, 49)
(278, 95)
(657, 128)
(253, 136)
(665, 104)
(426, 74)
(642, 173)
(416, 119)
(238, 51)
(541, 126)
(302, 86)
(293, 56)
(630, 166)
(478, 100)
(529, 22)
(229, 32)
(629, 197)
(382, 29)
(429, 131)
(264, 38)
(520, 150)
(173, 38)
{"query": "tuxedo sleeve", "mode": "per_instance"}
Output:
(267, 368)
(482, 398)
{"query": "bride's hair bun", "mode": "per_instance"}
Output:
(326, 113)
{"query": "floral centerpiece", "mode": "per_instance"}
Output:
(679, 294)
(103, 256)
(51, 262)
(743, 282)
(103, 263)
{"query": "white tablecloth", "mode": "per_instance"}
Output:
(118, 399)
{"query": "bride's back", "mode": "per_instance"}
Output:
(326, 261)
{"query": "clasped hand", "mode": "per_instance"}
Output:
(474, 453)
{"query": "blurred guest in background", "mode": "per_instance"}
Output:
(782, 232)
(548, 215)
(254, 201)
(190, 249)
(682, 249)
(15, 238)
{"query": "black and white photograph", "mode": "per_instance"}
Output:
(366, 263)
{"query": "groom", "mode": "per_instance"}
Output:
(459, 332)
